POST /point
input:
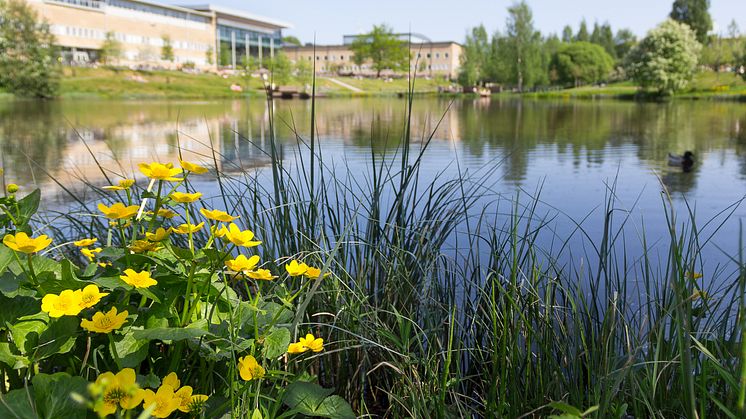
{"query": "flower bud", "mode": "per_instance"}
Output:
(12, 188)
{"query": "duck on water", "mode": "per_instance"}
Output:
(685, 161)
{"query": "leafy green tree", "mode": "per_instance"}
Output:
(475, 61)
(606, 40)
(167, 50)
(741, 63)
(28, 59)
(281, 68)
(520, 52)
(111, 49)
(303, 72)
(583, 35)
(666, 59)
(694, 13)
(581, 63)
(209, 54)
(596, 34)
(567, 35)
(624, 40)
(291, 40)
(382, 48)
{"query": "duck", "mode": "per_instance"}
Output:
(686, 161)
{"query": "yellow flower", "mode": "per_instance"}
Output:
(185, 198)
(124, 184)
(262, 274)
(249, 369)
(296, 269)
(142, 246)
(218, 231)
(166, 213)
(159, 235)
(694, 275)
(240, 238)
(85, 242)
(118, 211)
(164, 401)
(12, 188)
(185, 397)
(188, 228)
(113, 391)
(242, 263)
(90, 253)
(313, 273)
(160, 171)
(105, 322)
(90, 296)
(191, 167)
(21, 242)
(306, 343)
(172, 379)
(217, 215)
(196, 403)
(138, 279)
(65, 304)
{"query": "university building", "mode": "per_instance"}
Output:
(208, 36)
(435, 59)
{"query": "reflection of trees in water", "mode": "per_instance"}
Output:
(31, 130)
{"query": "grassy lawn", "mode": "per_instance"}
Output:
(380, 86)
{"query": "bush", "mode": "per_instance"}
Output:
(28, 59)
(580, 63)
(666, 60)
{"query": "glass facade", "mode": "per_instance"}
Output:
(140, 7)
(236, 44)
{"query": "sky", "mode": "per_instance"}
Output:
(442, 20)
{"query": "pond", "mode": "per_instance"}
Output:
(568, 153)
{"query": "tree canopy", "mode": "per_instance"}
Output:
(28, 58)
(383, 48)
(694, 13)
(581, 62)
(475, 58)
(518, 53)
(666, 59)
(111, 49)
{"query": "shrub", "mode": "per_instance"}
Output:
(581, 63)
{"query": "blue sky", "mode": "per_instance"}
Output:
(449, 20)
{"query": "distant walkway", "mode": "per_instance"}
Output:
(345, 85)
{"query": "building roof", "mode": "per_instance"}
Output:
(239, 14)
(174, 7)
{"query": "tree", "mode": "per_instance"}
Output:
(580, 63)
(606, 40)
(666, 60)
(694, 13)
(28, 59)
(596, 34)
(167, 50)
(475, 61)
(623, 42)
(281, 68)
(304, 72)
(583, 35)
(291, 40)
(741, 64)
(111, 49)
(567, 34)
(209, 55)
(521, 51)
(733, 30)
(382, 48)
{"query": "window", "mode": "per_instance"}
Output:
(341, 57)
(428, 55)
(446, 55)
(437, 55)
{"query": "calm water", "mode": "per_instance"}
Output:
(571, 150)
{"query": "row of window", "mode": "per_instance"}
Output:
(100, 35)
(226, 33)
(342, 57)
(365, 67)
(437, 55)
(140, 7)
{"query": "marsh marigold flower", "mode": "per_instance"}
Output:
(90, 254)
(314, 273)
(217, 215)
(105, 322)
(12, 188)
(138, 279)
(142, 246)
(90, 296)
(67, 303)
(160, 171)
(185, 197)
(243, 238)
(113, 391)
(165, 213)
(296, 269)
(85, 242)
(118, 211)
(164, 401)
(192, 167)
(309, 342)
(249, 369)
(188, 228)
(159, 235)
(242, 263)
(261, 274)
(21, 242)
(124, 184)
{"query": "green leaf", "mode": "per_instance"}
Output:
(58, 338)
(256, 414)
(130, 351)
(28, 328)
(6, 258)
(10, 359)
(52, 395)
(17, 404)
(67, 280)
(276, 343)
(17, 307)
(168, 334)
(313, 400)
(566, 408)
(27, 207)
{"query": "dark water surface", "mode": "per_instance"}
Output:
(571, 150)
